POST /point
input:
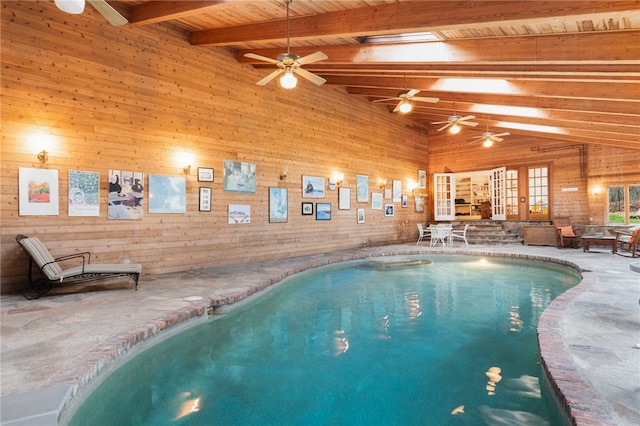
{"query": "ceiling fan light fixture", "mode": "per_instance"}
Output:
(487, 143)
(405, 107)
(454, 129)
(75, 7)
(288, 80)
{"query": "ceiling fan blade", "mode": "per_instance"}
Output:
(385, 100)
(422, 99)
(314, 57)
(445, 126)
(260, 58)
(475, 141)
(496, 139)
(315, 79)
(467, 123)
(502, 134)
(270, 77)
(412, 93)
(441, 122)
(466, 117)
(397, 108)
(110, 14)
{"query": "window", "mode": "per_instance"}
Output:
(623, 204)
(538, 193)
(512, 193)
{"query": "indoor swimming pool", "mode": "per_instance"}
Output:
(403, 340)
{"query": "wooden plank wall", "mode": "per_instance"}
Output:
(141, 99)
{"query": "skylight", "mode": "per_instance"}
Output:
(400, 38)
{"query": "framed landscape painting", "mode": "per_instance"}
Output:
(312, 187)
(323, 211)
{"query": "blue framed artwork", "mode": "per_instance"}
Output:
(239, 177)
(278, 205)
(312, 187)
(323, 211)
(167, 194)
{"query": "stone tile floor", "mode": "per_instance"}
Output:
(56, 348)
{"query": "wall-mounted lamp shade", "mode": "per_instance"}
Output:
(75, 7)
(288, 80)
(405, 107)
(455, 129)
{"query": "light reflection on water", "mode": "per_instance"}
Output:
(451, 342)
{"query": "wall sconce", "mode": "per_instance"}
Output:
(283, 176)
(43, 156)
(383, 183)
(187, 170)
(597, 189)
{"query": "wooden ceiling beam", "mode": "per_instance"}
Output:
(621, 90)
(161, 11)
(407, 17)
(613, 47)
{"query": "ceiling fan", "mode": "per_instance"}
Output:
(488, 138)
(290, 64)
(455, 120)
(404, 96)
(76, 7)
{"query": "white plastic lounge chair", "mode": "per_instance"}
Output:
(460, 234)
(53, 274)
(423, 233)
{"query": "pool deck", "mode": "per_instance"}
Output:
(54, 349)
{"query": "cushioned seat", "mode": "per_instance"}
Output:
(53, 272)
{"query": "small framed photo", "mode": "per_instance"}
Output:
(376, 201)
(278, 205)
(205, 174)
(360, 215)
(205, 199)
(307, 209)
(419, 204)
(388, 209)
(422, 179)
(344, 198)
(405, 200)
(323, 211)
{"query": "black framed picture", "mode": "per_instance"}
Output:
(323, 211)
(307, 208)
(205, 199)
(205, 174)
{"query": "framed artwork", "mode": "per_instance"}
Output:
(360, 215)
(397, 191)
(205, 174)
(239, 177)
(126, 195)
(239, 213)
(167, 194)
(362, 189)
(312, 187)
(344, 198)
(323, 211)
(376, 200)
(38, 190)
(422, 179)
(388, 193)
(388, 209)
(405, 200)
(84, 193)
(307, 208)
(419, 204)
(205, 199)
(278, 205)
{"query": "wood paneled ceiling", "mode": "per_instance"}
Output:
(566, 70)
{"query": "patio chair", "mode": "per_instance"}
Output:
(440, 232)
(566, 234)
(423, 233)
(460, 234)
(629, 242)
(52, 272)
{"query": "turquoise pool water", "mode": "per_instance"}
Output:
(434, 340)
